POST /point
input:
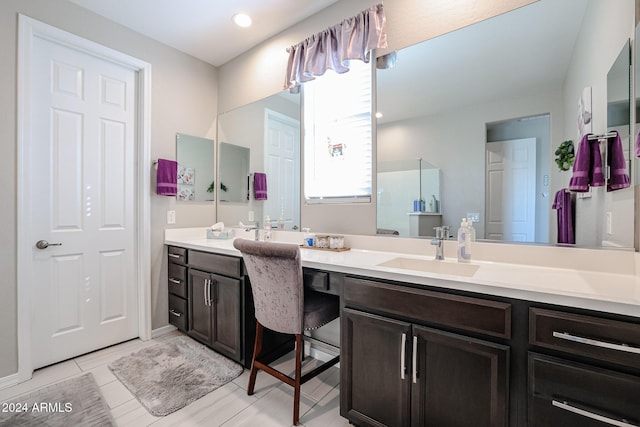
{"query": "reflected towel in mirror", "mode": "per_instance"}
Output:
(260, 186)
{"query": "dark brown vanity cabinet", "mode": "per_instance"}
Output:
(400, 367)
(590, 374)
(177, 285)
(215, 302)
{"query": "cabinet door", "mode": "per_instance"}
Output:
(375, 383)
(226, 316)
(200, 308)
(458, 381)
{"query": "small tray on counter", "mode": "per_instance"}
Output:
(325, 249)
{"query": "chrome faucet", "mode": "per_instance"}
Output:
(437, 241)
(256, 228)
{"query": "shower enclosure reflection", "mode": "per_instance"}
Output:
(401, 183)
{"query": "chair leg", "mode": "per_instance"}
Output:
(298, 375)
(257, 349)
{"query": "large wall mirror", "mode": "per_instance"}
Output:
(196, 168)
(270, 127)
(509, 88)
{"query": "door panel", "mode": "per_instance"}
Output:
(511, 190)
(199, 309)
(460, 381)
(373, 391)
(81, 186)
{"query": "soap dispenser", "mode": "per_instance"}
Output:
(464, 242)
(267, 228)
(472, 230)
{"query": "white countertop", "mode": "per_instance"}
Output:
(601, 291)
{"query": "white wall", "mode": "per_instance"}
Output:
(184, 99)
(601, 32)
(260, 73)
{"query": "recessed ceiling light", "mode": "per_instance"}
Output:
(378, 115)
(242, 20)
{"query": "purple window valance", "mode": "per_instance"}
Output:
(353, 38)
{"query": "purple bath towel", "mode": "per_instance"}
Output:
(596, 174)
(619, 178)
(581, 167)
(562, 203)
(638, 145)
(260, 185)
(167, 184)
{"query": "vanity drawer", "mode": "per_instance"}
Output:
(603, 339)
(569, 394)
(467, 313)
(178, 312)
(214, 263)
(177, 279)
(176, 254)
(322, 281)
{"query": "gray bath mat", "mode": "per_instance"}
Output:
(170, 375)
(74, 402)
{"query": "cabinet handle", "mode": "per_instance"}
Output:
(402, 355)
(175, 313)
(589, 341)
(174, 256)
(206, 292)
(593, 416)
(414, 373)
(176, 281)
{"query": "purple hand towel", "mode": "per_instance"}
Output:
(581, 167)
(167, 178)
(619, 178)
(638, 145)
(596, 174)
(260, 186)
(562, 203)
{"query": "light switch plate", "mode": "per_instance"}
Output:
(171, 217)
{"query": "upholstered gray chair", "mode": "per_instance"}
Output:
(282, 304)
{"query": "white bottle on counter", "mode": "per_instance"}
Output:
(472, 229)
(267, 228)
(464, 242)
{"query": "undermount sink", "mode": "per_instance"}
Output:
(431, 266)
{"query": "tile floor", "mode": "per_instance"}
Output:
(229, 406)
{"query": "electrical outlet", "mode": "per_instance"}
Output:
(608, 221)
(473, 216)
(171, 217)
(251, 216)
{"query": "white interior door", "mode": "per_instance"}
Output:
(82, 190)
(282, 166)
(511, 187)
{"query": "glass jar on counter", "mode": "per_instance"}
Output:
(336, 241)
(322, 241)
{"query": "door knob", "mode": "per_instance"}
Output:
(43, 244)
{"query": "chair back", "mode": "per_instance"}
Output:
(275, 272)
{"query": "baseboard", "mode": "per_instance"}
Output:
(155, 333)
(9, 381)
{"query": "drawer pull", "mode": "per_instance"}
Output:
(175, 313)
(589, 341)
(176, 281)
(593, 416)
(415, 360)
(174, 256)
(402, 355)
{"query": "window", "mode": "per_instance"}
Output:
(338, 136)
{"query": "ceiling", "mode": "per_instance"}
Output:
(203, 28)
(522, 50)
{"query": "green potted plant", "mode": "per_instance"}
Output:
(565, 155)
